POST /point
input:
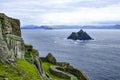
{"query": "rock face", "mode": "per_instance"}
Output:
(11, 43)
(81, 35)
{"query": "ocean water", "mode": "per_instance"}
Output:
(98, 58)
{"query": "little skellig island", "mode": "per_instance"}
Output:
(20, 61)
(80, 35)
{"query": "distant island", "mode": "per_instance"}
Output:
(80, 35)
(115, 26)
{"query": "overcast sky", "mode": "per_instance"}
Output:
(62, 12)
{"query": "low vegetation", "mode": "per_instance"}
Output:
(22, 70)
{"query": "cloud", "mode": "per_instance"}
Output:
(53, 12)
(84, 16)
(95, 3)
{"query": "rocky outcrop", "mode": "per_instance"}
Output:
(50, 58)
(32, 56)
(65, 70)
(81, 35)
(11, 43)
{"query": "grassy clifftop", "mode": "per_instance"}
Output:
(22, 70)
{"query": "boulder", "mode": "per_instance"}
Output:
(80, 35)
(50, 58)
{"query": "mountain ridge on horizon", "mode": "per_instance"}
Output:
(115, 26)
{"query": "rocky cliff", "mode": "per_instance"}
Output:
(11, 43)
(13, 51)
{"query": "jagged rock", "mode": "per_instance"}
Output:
(81, 35)
(11, 43)
(50, 58)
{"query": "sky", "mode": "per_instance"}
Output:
(62, 12)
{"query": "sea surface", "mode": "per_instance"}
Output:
(98, 58)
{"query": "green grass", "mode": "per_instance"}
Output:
(46, 67)
(22, 71)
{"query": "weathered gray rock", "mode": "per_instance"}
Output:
(81, 35)
(38, 64)
(11, 43)
(50, 58)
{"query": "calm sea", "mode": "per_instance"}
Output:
(98, 58)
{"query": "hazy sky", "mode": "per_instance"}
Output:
(62, 12)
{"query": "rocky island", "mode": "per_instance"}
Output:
(20, 61)
(80, 35)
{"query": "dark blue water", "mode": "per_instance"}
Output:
(98, 58)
